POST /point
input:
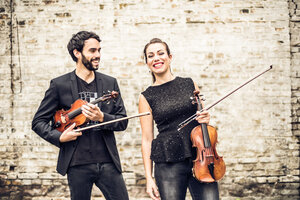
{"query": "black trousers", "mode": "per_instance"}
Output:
(173, 179)
(105, 176)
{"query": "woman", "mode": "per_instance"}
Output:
(168, 101)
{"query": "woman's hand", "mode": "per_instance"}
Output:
(203, 117)
(152, 189)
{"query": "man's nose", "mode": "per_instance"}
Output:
(97, 54)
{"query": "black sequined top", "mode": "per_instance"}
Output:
(171, 104)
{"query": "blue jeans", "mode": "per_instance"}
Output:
(105, 176)
(173, 179)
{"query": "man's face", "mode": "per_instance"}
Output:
(91, 54)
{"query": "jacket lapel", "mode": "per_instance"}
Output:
(74, 86)
(99, 87)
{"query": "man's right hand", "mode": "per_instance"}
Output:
(69, 134)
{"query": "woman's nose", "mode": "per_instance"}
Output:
(156, 57)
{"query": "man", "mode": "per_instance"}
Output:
(90, 156)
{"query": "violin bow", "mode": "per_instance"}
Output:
(111, 121)
(191, 118)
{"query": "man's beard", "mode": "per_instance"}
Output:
(88, 64)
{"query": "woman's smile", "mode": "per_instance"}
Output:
(158, 65)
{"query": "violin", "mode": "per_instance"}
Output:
(63, 119)
(208, 166)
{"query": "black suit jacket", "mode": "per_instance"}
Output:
(63, 91)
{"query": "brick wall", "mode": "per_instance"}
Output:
(220, 44)
(294, 7)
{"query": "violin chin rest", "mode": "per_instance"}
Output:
(206, 179)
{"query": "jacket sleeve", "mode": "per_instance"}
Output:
(44, 115)
(117, 112)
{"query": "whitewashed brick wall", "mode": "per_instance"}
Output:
(220, 44)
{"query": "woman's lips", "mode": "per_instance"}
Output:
(158, 65)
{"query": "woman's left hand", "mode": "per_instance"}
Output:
(203, 117)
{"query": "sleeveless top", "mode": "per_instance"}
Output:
(171, 104)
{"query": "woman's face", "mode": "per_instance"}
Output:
(158, 59)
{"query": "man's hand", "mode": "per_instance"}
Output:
(69, 134)
(92, 112)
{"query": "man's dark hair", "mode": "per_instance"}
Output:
(77, 42)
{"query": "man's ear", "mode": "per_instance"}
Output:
(76, 53)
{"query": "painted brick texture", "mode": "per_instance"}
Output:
(220, 44)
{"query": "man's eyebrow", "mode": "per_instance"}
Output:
(93, 49)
